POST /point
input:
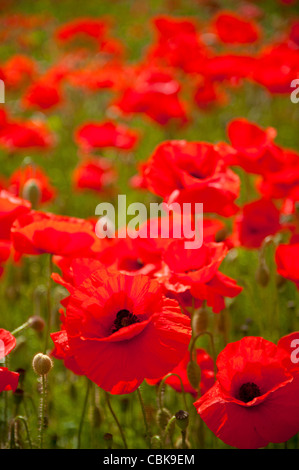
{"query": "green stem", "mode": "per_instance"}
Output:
(167, 429)
(21, 328)
(49, 308)
(83, 414)
(42, 412)
(161, 389)
(192, 344)
(116, 420)
(24, 421)
(148, 434)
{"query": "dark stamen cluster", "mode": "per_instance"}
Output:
(248, 392)
(124, 318)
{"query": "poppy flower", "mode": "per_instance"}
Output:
(42, 94)
(255, 398)
(256, 151)
(174, 37)
(18, 134)
(37, 233)
(8, 379)
(95, 174)
(31, 174)
(91, 27)
(10, 209)
(287, 260)
(207, 380)
(18, 70)
(154, 92)
(121, 329)
(228, 66)
(276, 67)
(257, 220)
(106, 134)
(233, 29)
(193, 273)
(181, 171)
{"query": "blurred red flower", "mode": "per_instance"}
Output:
(255, 398)
(257, 220)
(181, 171)
(31, 174)
(8, 379)
(105, 134)
(287, 260)
(233, 29)
(95, 174)
(37, 233)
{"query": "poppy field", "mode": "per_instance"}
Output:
(149, 224)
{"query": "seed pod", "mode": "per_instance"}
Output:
(42, 364)
(182, 419)
(37, 323)
(193, 374)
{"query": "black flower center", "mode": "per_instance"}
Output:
(124, 318)
(248, 392)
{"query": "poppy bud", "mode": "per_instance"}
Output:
(200, 320)
(262, 274)
(42, 364)
(36, 323)
(32, 192)
(163, 416)
(193, 374)
(156, 442)
(221, 235)
(18, 396)
(182, 419)
(109, 439)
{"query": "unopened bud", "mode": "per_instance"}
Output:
(200, 320)
(262, 274)
(193, 374)
(156, 442)
(37, 323)
(221, 235)
(42, 364)
(182, 419)
(163, 416)
(31, 192)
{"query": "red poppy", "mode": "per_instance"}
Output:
(255, 150)
(175, 36)
(194, 273)
(10, 209)
(287, 260)
(233, 29)
(276, 67)
(95, 174)
(255, 398)
(90, 27)
(207, 380)
(37, 233)
(42, 94)
(182, 171)
(121, 329)
(154, 92)
(31, 174)
(17, 135)
(8, 380)
(229, 67)
(257, 220)
(17, 70)
(106, 134)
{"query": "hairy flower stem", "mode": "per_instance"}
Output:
(116, 420)
(167, 429)
(162, 388)
(21, 328)
(24, 421)
(83, 414)
(49, 307)
(42, 408)
(192, 345)
(148, 434)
